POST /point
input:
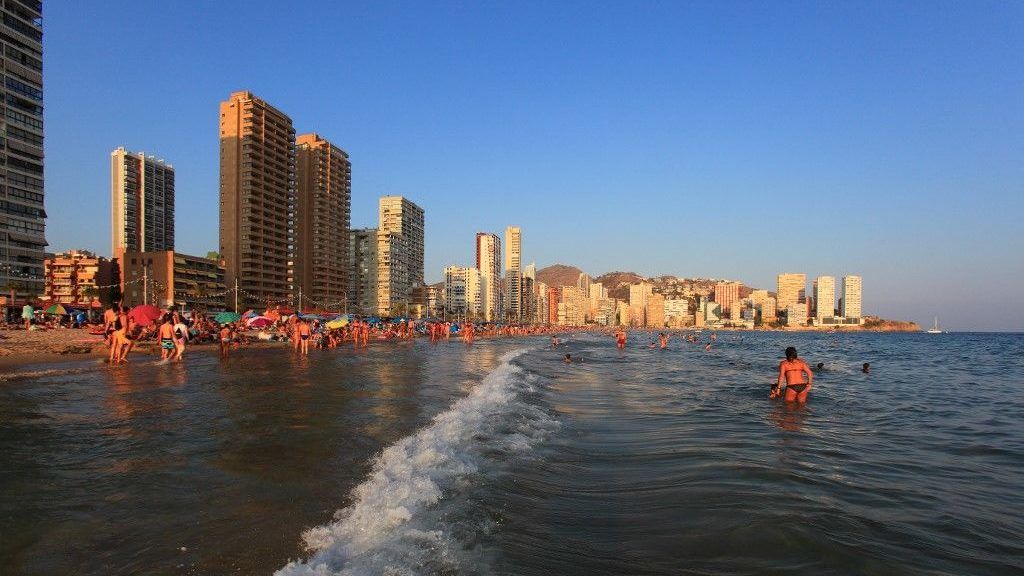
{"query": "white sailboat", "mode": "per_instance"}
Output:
(935, 328)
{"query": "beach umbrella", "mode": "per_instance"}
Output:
(226, 317)
(311, 317)
(340, 322)
(259, 322)
(250, 314)
(145, 314)
(56, 309)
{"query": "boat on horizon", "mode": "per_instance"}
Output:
(935, 328)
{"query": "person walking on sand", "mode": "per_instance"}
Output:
(26, 315)
(110, 322)
(792, 370)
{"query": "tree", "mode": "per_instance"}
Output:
(211, 255)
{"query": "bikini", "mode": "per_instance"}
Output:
(798, 388)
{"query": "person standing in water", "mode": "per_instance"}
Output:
(166, 336)
(620, 338)
(791, 370)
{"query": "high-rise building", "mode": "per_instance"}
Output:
(792, 289)
(763, 303)
(488, 262)
(655, 311)
(529, 300)
(462, 292)
(726, 293)
(322, 199)
(572, 307)
(142, 203)
(257, 198)
(824, 297)
(362, 250)
(541, 292)
(851, 297)
(400, 238)
(22, 215)
(513, 273)
(638, 295)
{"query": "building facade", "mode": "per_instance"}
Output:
(488, 262)
(22, 214)
(462, 293)
(851, 308)
(257, 198)
(362, 250)
(824, 297)
(400, 238)
(322, 212)
(141, 202)
(727, 293)
(513, 274)
(74, 277)
(791, 289)
(168, 279)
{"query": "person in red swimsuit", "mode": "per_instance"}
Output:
(791, 370)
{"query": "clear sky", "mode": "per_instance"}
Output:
(707, 139)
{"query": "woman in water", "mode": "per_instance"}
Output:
(792, 370)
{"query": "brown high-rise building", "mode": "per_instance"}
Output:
(257, 196)
(400, 238)
(323, 196)
(726, 294)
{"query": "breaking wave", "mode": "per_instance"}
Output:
(408, 517)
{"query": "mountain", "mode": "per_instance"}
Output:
(617, 283)
(558, 275)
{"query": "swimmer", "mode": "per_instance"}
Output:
(663, 339)
(568, 358)
(820, 366)
(866, 368)
(708, 347)
(620, 338)
(554, 341)
(792, 370)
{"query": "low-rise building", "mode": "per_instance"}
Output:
(75, 278)
(169, 279)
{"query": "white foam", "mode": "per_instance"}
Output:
(394, 524)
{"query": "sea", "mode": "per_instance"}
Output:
(499, 458)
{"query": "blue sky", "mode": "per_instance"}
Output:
(713, 139)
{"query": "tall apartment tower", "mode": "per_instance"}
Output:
(142, 203)
(851, 297)
(322, 211)
(792, 289)
(727, 294)
(824, 297)
(488, 262)
(22, 216)
(362, 250)
(400, 237)
(513, 273)
(257, 198)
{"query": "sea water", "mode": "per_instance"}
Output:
(499, 458)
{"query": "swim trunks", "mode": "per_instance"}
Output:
(167, 343)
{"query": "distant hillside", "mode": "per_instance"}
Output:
(559, 275)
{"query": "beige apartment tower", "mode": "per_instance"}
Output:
(792, 289)
(824, 297)
(488, 262)
(852, 287)
(142, 203)
(400, 238)
(514, 274)
(22, 214)
(322, 213)
(257, 199)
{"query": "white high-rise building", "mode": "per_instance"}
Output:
(488, 262)
(462, 293)
(824, 297)
(400, 238)
(513, 274)
(142, 203)
(851, 307)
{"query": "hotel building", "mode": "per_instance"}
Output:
(323, 196)
(22, 214)
(400, 238)
(142, 203)
(792, 289)
(488, 262)
(513, 274)
(824, 297)
(362, 249)
(167, 278)
(257, 198)
(726, 293)
(462, 293)
(851, 304)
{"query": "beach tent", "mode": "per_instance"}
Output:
(56, 309)
(227, 317)
(145, 314)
